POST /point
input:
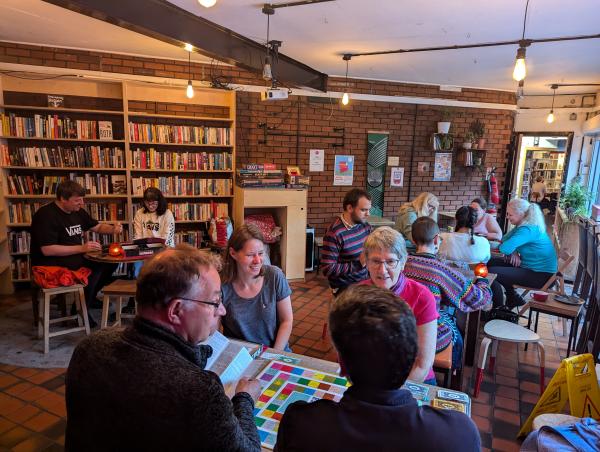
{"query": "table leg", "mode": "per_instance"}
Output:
(528, 325)
(471, 337)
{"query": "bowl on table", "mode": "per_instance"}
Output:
(539, 295)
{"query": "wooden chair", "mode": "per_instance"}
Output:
(44, 297)
(119, 291)
(496, 331)
(443, 364)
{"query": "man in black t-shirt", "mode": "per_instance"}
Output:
(57, 237)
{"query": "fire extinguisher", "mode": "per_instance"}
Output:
(493, 188)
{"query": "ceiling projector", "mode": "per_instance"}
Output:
(274, 94)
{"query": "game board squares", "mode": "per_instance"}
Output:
(268, 413)
(266, 377)
(324, 386)
(277, 416)
(286, 368)
(328, 396)
(272, 407)
(297, 371)
(259, 421)
(263, 398)
(303, 381)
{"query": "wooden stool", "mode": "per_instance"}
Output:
(119, 289)
(44, 296)
(443, 364)
(501, 330)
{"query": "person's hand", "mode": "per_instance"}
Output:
(117, 228)
(250, 386)
(91, 246)
(515, 260)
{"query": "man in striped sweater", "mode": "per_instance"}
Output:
(343, 242)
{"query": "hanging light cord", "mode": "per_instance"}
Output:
(553, 94)
(190, 66)
(347, 75)
(525, 18)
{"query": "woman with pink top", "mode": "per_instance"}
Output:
(486, 225)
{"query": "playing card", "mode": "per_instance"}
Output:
(417, 390)
(451, 395)
(448, 405)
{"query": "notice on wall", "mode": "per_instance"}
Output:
(397, 177)
(442, 169)
(317, 160)
(393, 161)
(343, 173)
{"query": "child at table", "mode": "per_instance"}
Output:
(462, 245)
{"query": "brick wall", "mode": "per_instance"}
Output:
(409, 126)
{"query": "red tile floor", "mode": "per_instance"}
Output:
(33, 414)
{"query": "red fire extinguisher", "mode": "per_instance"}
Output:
(493, 188)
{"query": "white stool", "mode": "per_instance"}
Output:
(44, 322)
(501, 330)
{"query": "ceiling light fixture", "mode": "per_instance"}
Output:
(520, 71)
(207, 3)
(520, 90)
(189, 92)
(346, 96)
(267, 70)
(550, 117)
(188, 47)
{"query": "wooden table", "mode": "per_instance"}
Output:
(105, 258)
(377, 222)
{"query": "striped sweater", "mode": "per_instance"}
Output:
(341, 251)
(449, 286)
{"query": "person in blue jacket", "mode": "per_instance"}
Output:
(529, 255)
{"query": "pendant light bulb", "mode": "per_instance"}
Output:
(345, 99)
(550, 117)
(267, 72)
(520, 70)
(346, 96)
(189, 92)
(207, 3)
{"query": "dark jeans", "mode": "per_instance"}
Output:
(509, 276)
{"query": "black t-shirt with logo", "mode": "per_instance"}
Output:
(51, 225)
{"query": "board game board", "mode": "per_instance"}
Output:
(284, 384)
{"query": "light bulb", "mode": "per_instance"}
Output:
(189, 92)
(267, 73)
(345, 99)
(520, 70)
(188, 47)
(550, 117)
(207, 3)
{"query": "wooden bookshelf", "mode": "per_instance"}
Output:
(121, 103)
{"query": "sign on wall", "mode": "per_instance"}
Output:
(317, 160)
(343, 172)
(397, 177)
(442, 169)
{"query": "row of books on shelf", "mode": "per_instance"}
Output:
(20, 268)
(106, 239)
(194, 211)
(182, 186)
(194, 238)
(94, 184)
(179, 134)
(63, 157)
(260, 175)
(19, 242)
(153, 159)
(21, 212)
(53, 126)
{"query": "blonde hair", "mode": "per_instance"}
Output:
(421, 205)
(531, 212)
(386, 239)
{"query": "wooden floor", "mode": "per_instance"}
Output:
(33, 414)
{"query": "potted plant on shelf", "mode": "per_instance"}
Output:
(468, 140)
(477, 128)
(575, 199)
(444, 125)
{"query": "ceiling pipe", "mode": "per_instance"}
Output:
(166, 22)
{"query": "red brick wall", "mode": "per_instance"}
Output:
(319, 119)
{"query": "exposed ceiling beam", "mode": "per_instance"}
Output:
(169, 23)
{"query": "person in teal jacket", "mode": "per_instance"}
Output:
(529, 255)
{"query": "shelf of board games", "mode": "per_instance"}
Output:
(116, 138)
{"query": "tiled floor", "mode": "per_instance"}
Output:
(33, 415)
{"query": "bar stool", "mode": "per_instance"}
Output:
(44, 296)
(501, 330)
(117, 291)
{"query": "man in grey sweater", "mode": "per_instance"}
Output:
(145, 387)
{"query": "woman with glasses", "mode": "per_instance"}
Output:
(424, 205)
(153, 220)
(385, 253)
(256, 296)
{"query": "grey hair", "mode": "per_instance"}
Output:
(531, 213)
(386, 239)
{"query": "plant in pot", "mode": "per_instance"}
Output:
(444, 125)
(445, 141)
(468, 140)
(574, 199)
(477, 128)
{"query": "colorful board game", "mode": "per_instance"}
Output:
(284, 384)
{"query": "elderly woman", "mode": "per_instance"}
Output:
(385, 254)
(530, 258)
(424, 205)
(486, 225)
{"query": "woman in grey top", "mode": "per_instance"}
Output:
(256, 296)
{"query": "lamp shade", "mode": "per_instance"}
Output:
(115, 250)
(481, 270)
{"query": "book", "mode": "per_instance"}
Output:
(56, 101)
(105, 130)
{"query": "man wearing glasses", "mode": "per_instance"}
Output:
(145, 387)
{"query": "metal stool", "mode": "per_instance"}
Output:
(44, 322)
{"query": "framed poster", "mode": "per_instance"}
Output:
(442, 168)
(397, 177)
(343, 173)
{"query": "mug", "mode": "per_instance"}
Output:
(539, 296)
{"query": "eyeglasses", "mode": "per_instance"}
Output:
(214, 304)
(389, 264)
(153, 201)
